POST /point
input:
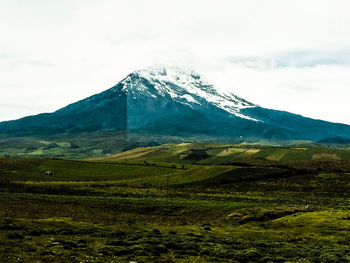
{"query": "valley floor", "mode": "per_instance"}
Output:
(137, 211)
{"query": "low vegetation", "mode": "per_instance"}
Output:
(173, 203)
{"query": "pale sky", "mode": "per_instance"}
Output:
(287, 55)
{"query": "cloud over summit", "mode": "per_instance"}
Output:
(289, 55)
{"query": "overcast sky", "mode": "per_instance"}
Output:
(287, 55)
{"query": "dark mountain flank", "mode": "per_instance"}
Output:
(176, 103)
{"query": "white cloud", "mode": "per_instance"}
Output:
(319, 92)
(289, 55)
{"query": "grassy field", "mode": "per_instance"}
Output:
(188, 202)
(209, 153)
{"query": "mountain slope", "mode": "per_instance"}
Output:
(175, 102)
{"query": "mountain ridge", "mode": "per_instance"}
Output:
(173, 101)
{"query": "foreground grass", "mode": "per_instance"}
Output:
(154, 211)
(298, 237)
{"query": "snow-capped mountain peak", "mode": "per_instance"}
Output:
(166, 104)
(183, 86)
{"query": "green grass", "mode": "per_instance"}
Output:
(239, 204)
(220, 154)
(65, 170)
(154, 201)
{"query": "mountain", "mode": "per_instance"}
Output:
(172, 101)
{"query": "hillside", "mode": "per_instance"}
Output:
(210, 153)
(163, 204)
(174, 102)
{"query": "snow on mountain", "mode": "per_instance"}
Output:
(183, 86)
(175, 102)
